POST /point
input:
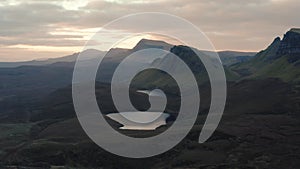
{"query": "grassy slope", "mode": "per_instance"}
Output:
(280, 68)
(259, 60)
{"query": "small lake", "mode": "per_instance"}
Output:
(139, 120)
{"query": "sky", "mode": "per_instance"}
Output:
(40, 29)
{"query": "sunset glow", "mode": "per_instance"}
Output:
(44, 29)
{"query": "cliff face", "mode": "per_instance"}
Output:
(290, 43)
(289, 46)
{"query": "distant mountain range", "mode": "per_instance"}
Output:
(51, 74)
(227, 57)
(279, 60)
(92, 53)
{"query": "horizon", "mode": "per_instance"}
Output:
(122, 47)
(28, 32)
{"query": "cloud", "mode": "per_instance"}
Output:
(230, 24)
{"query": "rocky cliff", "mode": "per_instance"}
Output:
(290, 44)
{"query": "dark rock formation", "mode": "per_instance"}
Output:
(290, 43)
(289, 46)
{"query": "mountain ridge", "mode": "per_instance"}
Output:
(68, 58)
(281, 59)
(228, 57)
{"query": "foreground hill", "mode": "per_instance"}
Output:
(258, 130)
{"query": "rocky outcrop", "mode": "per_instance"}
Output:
(290, 44)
